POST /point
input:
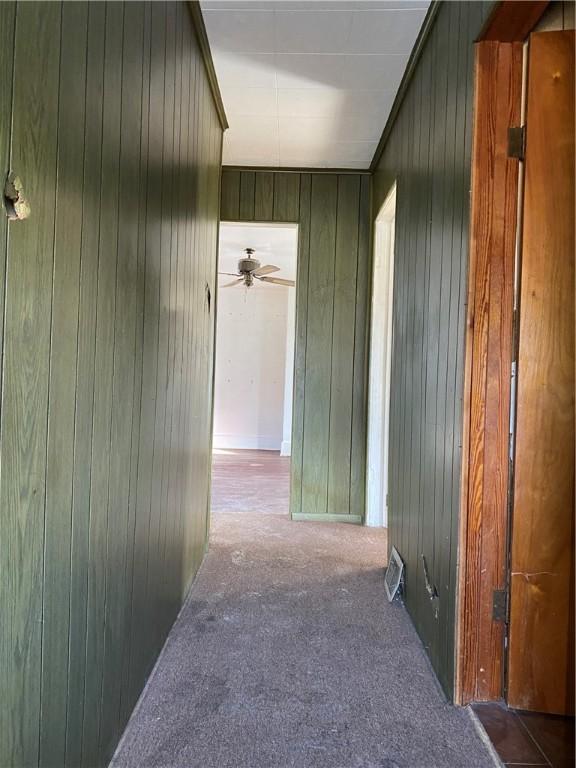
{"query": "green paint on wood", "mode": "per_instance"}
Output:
(263, 196)
(108, 348)
(28, 296)
(230, 204)
(318, 346)
(62, 386)
(428, 153)
(299, 388)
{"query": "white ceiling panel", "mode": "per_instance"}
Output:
(309, 83)
(241, 102)
(246, 70)
(382, 72)
(370, 28)
(313, 31)
(293, 70)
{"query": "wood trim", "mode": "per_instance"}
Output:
(484, 516)
(327, 518)
(204, 45)
(214, 327)
(417, 50)
(512, 20)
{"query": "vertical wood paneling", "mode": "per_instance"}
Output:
(103, 371)
(28, 289)
(328, 463)
(318, 352)
(263, 196)
(247, 192)
(85, 381)
(136, 521)
(299, 389)
(343, 327)
(230, 204)
(123, 372)
(360, 378)
(108, 345)
(7, 30)
(62, 385)
(428, 154)
(285, 199)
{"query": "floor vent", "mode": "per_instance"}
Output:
(394, 574)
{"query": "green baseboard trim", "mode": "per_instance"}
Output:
(319, 518)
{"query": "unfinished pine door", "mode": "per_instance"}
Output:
(541, 644)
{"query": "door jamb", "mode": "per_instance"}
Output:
(386, 218)
(483, 535)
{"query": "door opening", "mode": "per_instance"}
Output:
(254, 368)
(380, 364)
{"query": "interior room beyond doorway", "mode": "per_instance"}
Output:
(255, 340)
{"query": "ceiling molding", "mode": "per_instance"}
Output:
(512, 22)
(269, 169)
(425, 30)
(202, 37)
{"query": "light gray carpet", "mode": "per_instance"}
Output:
(287, 654)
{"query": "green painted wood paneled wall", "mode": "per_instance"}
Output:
(107, 343)
(329, 414)
(428, 153)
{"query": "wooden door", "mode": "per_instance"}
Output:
(541, 640)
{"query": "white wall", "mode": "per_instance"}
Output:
(286, 447)
(380, 365)
(250, 367)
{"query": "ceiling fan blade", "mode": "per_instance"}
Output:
(265, 270)
(234, 282)
(277, 281)
(231, 274)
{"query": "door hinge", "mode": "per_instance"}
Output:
(500, 605)
(517, 142)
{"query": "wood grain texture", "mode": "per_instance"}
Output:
(343, 325)
(541, 644)
(330, 367)
(299, 385)
(492, 249)
(512, 20)
(7, 32)
(62, 386)
(28, 291)
(118, 142)
(318, 352)
(428, 154)
(85, 379)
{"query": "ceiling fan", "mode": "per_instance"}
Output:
(249, 269)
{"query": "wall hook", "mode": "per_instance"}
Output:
(15, 203)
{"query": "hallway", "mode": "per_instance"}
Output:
(287, 653)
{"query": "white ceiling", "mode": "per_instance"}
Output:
(276, 244)
(309, 84)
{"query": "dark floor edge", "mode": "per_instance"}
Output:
(481, 731)
(153, 671)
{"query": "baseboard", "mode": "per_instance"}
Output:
(246, 442)
(327, 518)
(286, 448)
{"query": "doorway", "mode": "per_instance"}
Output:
(380, 364)
(254, 361)
(515, 608)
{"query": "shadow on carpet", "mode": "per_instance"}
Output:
(287, 655)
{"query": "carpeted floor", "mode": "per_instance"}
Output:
(287, 654)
